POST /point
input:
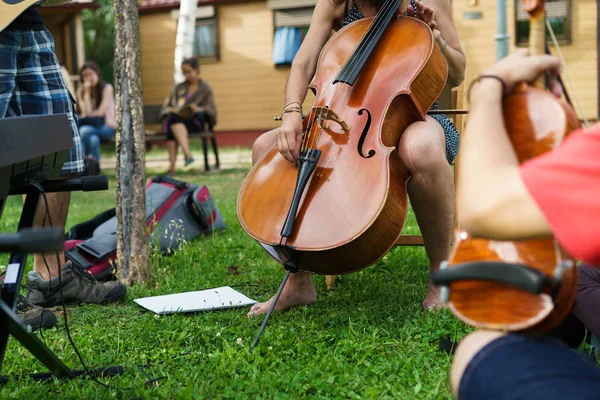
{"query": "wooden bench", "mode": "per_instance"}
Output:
(155, 135)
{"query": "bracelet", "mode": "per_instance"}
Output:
(289, 110)
(504, 86)
(292, 102)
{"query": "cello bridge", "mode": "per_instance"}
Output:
(325, 113)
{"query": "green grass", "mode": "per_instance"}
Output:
(367, 338)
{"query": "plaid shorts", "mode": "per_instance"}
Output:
(31, 83)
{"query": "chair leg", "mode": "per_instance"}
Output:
(330, 280)
(204, 147)
(214, 146)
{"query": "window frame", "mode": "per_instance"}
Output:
(564, 40)
(304, 29)
(214, 21)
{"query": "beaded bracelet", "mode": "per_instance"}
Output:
(288, 110)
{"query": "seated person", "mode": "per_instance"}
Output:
(553, 194)
(588, 298)
(189, 105)
(96, 101)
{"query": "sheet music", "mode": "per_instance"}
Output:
(205, 300)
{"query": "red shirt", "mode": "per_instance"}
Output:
(565, 184)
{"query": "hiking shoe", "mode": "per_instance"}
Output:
(77, 286)
(35, 316)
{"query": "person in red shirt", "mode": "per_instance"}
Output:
(554, 194)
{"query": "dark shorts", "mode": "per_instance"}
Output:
(31, 83)
(588, 297)
(192, 125)
(451, 133)
(521, 367)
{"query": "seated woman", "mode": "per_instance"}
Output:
(189, 105)
(96, 101)
(553, 194)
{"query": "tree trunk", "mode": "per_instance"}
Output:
(132, 242)
(184, 41)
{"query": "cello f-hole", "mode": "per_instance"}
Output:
(364, 133)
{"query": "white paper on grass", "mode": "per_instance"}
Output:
(203, 300)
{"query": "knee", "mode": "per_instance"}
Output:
(85, 131)
(422, 148)
(262, 144)
(466, 350)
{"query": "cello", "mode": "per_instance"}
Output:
(529, 285)
(344, 205)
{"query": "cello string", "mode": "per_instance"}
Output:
(362, 45)
(378, 25)
(569, 78)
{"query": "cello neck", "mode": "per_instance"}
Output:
(353, 66)
(537, 32)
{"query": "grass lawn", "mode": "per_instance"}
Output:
(367, 338)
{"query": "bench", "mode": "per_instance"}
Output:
(155, 135)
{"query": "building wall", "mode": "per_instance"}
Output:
(248, 88)
(581, 54)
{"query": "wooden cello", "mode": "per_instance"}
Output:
(344, 205)
(527, 285)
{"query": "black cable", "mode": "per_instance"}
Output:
(87, 370)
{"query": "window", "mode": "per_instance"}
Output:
(206, 43)
(206, 33)
(558, 13)
(291, 26)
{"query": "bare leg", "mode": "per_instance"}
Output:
(466, 350)
(172, 149)
(58, 207)
(299, 289)
(181, 134)
(431, 189)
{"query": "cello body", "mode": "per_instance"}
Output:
(354, 205)
(536, 123)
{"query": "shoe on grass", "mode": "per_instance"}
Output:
(35, 316)
(189, 161)
(78, 286)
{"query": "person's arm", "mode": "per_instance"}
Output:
(84, 101)
(301, 73)
(206, 104)
(492, 200)
(446, 37)
(107, 101)
(169, 102)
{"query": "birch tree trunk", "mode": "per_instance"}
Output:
(184, 41)
(132, 242)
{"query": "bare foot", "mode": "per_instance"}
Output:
(432, 301)
(298, 291)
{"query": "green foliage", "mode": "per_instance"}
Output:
(99, 33)
(367, 338)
